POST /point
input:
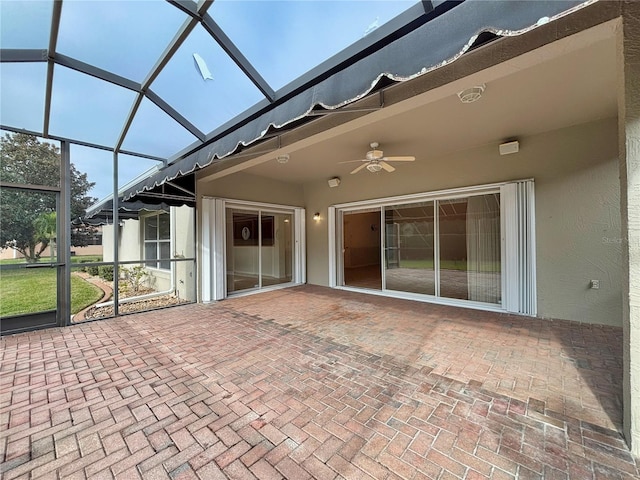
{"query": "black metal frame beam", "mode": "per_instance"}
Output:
(182, 34)
(239, 59)
(82, 144)
(23, 55)
(397, 27)
(169, 110)
(53, 42)
(190, 8)
(96, 72)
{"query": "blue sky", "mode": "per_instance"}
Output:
(282, 39)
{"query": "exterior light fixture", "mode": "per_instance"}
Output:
(284, 158)
(316, 216)
(374, 167)
(472, 94)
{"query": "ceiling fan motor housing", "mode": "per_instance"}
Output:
(374, 155)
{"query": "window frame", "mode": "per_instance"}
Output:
(158, 262)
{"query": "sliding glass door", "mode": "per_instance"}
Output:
(448, 248)
(259, 249)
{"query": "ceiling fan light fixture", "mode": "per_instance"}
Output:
(473, 94)
(374, 167)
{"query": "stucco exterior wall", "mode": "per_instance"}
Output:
(183, 246)
(577, 212)
(577, 209)
(244, 186)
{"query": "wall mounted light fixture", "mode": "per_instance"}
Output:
(316, 216)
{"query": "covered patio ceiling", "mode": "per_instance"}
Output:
(553, 87)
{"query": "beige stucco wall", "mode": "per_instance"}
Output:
(628, 71)
(184, 243)
(247, 187)
(577, 211)
(183, 234)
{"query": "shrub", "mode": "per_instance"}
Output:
(135, 277)
(106, 272)
(93, 271)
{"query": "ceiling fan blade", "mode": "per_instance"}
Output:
(352, 161)
(386, 166)
(405, 158)
(359, 168)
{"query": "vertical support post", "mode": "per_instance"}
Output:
(628, 39)
(63, 238)
(116, 236)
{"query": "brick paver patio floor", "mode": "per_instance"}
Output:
(310, 382)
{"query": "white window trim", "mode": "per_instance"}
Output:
(157, 242)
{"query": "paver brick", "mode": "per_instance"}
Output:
(314, 383)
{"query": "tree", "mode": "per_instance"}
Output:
(23, 214)
(45, 229)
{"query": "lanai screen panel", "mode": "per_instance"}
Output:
(130, 75)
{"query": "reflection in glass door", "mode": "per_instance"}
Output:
(259, 249)
(276, 248)
(470, 248)
(409, 265)
(448, 248)
(361, 249)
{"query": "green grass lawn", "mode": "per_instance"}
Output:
(447, 265)
(428, 264)
(78, 259)
(34, 290)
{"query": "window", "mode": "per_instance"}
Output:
(157, 241)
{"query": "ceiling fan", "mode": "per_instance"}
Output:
(375, 160)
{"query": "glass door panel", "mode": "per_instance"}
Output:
(276, 248)
(243, 250)
(409, 248)
(470, 248)
(362, 259)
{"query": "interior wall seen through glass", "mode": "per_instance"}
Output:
(276, 248)
(362, 259)
(243, 250)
